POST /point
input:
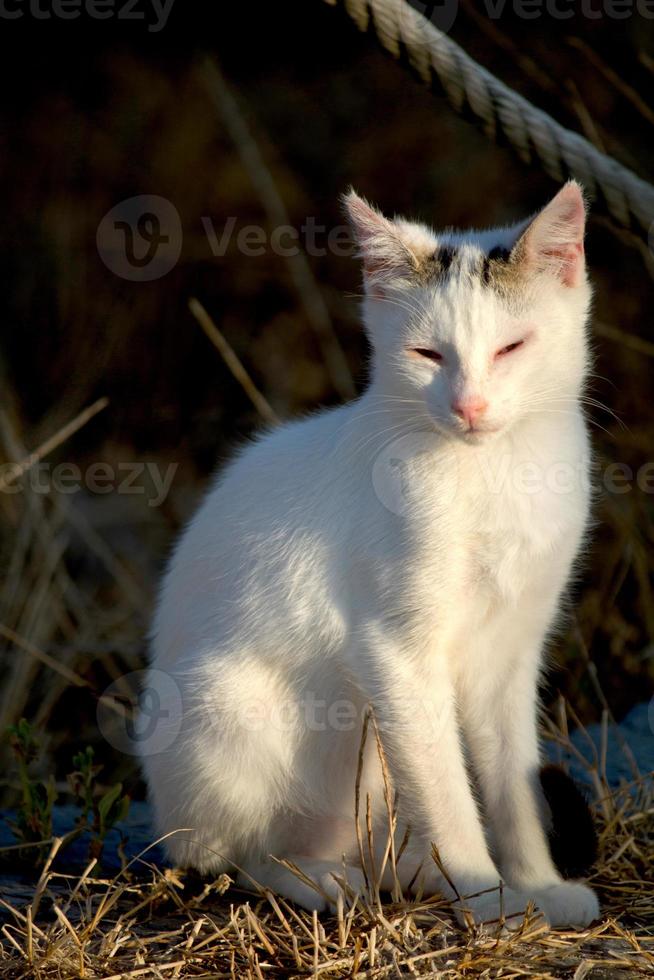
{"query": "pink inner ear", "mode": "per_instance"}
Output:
(570, 258)
(555, 238)
(384, 256)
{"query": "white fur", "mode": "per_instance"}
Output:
(296, 597)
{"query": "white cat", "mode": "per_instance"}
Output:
(406, 551)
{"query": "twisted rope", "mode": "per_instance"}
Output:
(627, 198)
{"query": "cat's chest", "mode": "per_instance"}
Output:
(509, 522)
(482, 532)
(512, 538)
(500, 554)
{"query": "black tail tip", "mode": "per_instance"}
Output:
(572, 835)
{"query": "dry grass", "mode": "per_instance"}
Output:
(146, 922)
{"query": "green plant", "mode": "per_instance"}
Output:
(33, 820)
(100, 811)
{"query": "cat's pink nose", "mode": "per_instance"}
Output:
(469, 409)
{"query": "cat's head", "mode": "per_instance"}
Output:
(477, 329)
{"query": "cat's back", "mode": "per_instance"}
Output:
(281, 473)
(267, 534)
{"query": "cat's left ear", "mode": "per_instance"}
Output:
(553, 242)
(384, 246)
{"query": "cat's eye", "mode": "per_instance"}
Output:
(431, 355)
(509, 348)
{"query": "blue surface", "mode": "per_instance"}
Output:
(636, 729)
(136, 830)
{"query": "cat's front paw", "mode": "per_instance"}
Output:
(568, 904)
(493, 910)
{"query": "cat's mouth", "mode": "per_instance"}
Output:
(473, 434)
(478, 433)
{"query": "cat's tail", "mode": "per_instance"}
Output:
(571, 832)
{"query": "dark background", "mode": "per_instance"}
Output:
(95, 112)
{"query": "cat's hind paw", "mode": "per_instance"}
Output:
(315, 885)
(348, 885)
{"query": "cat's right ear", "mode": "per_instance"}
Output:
(386, 257)
(553, 241)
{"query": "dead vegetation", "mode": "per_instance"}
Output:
(148, 922)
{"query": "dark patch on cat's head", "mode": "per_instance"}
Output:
(496, 268)
(499, 269)
(437, 265)
(445, 256)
